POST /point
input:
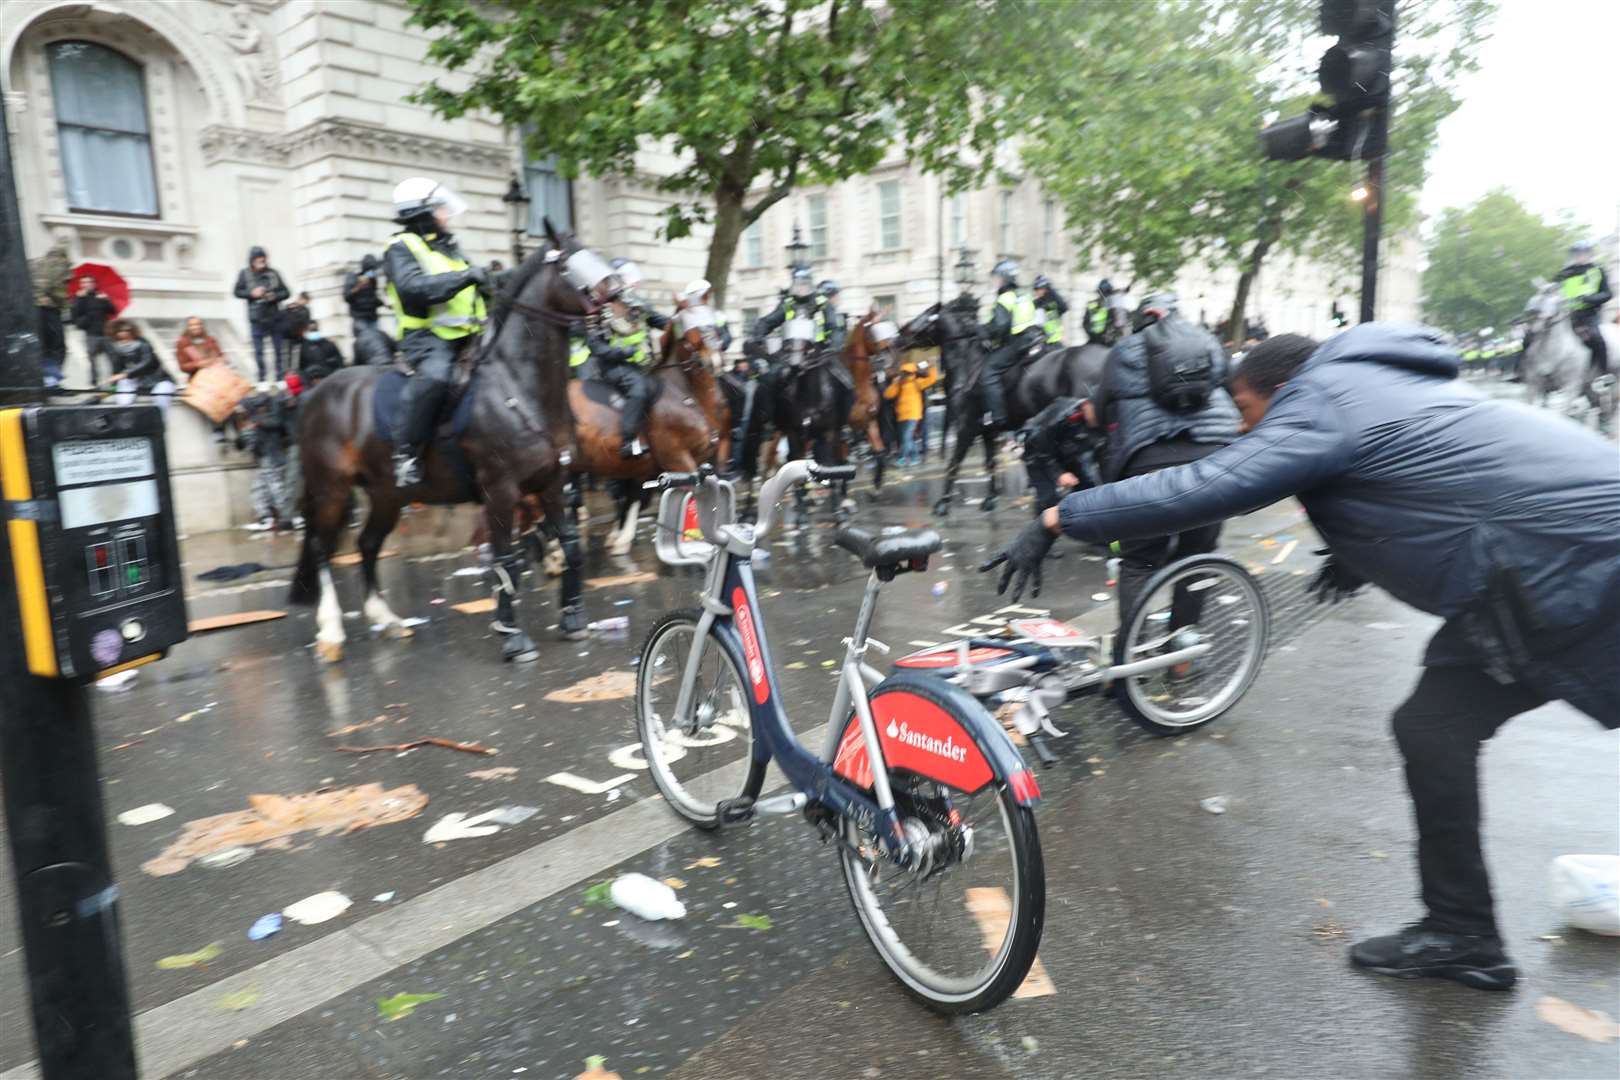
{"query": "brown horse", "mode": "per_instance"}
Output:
(685, 424)
(516, 441)
(869, 354)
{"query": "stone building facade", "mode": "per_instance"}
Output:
(166, 137)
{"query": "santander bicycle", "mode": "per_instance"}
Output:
(928, 802)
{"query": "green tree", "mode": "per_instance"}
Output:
(1483, 259)
(1152, 144)
(752, 95)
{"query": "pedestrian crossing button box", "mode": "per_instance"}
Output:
(94, 551)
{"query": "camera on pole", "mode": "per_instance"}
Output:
(1355, 75)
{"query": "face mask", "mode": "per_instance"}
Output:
(312, 336)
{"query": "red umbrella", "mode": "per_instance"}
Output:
(109, 281)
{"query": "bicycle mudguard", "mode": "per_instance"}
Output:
(946, 659)
(931, 728)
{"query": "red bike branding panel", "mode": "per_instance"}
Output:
(743, 615)
(917, 735)
(947, 656)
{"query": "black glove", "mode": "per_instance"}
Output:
(1023, 557)
(1333, 581)
(477, 275)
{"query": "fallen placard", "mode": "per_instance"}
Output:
(240, 618)
(448, 744)
(352, 558)
(475, 607)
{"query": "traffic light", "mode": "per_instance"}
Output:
(1355, 75)
(1337, 316)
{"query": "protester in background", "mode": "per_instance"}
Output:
(50, 273)
(263, 423)
(363, 297)
(136, 368)
(374, 347)
(908, 392)
(264, 290)
(290, 324)
(196, 348)
(91, 313)
(317, 357)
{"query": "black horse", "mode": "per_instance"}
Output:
(1059, 372)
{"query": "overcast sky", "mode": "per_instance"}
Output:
(1542, 114)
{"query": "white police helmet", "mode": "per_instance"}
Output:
(421, 195)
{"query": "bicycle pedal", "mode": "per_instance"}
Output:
(734, 811)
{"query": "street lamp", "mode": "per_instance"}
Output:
(1359, 193)
(966, 270)
(517, 212)
(798, 251)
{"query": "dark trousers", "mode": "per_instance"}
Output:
(1141, 559)
(1440, 729)
(1587, 325)
(630, 381)
(95, 352)
(996, 369)
(52, 343)
(431, 359)
(363, 323)
(266, 332)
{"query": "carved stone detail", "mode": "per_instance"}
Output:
(325, 138)
(219, 142)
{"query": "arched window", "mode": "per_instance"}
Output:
(100, 99)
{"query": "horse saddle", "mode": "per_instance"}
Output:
(461, 370)
(454, 413)
(604, 393)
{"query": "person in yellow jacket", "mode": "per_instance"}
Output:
(437, 295)
(908, 391)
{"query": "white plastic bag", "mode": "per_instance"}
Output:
(1586, 891)
(641, 895)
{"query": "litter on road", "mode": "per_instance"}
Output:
(312, 910)
(191, 959)
(448, 744)
(143, 815)
(265, 926)
(402, 1005)
(641, 896)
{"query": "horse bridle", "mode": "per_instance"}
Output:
(561, 319)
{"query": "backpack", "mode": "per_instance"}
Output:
(1180, 368)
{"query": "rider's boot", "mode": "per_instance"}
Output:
(632, 447)
(407, 466)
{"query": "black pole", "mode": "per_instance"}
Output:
(1372, 214)
(66, 898)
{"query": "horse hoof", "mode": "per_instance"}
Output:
(329, 651)
(555, 562)
(942, 508)
(988, 504)
(518, 649)
(572, 625)
(398, 631)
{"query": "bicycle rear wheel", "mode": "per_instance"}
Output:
(960, 927)
(1205, 599)
(705, 758)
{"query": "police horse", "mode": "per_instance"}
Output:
(1557, 367)
(508, 434)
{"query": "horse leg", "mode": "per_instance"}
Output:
(629, 496)
(959, 450)
(380, 522)
(504, 575)
(555, 562)
(991, 491)
(322, 527)
(560, 530)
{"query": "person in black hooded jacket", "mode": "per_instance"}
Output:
(1502, 519)
(264, 290)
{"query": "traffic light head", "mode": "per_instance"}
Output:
(1355, 75)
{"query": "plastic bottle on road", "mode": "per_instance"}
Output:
(617, 622)
(641, 895)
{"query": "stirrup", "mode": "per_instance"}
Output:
(407, 469)
(632, 449)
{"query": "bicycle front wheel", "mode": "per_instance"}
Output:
(706, 757)
(959, 929)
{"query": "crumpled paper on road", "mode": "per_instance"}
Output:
(271, 821)
(608, 686)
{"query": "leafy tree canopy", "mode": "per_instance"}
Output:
(1483, 260)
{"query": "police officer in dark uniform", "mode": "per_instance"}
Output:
(799, 302)
(436, 296)
(1102, 327)
(827, 297)
(622, 356)
(1586, 289)
(1011, 331)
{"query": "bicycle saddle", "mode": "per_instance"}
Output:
(888, 548)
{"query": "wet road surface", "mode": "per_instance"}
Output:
(1176, 939)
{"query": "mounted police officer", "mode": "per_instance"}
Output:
(1586, 289)
(624, 354)
(436, 296)
(1102, 326)
(1052, 307)
(799, 302)
(827, 297)
(1010, 333)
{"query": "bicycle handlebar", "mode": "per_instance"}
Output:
(794, 472)
(665, 481)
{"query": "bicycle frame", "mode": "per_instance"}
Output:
(731, 612)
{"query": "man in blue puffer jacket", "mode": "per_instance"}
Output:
(1502, 519)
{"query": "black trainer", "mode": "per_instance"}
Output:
(1419, 951)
